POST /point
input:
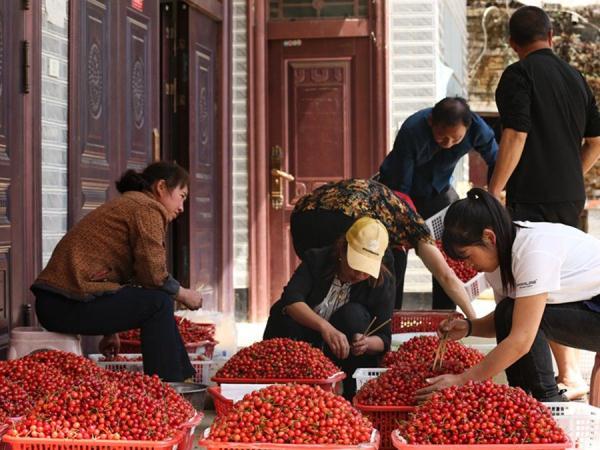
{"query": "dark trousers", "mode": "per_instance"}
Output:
(321, 228)
(149, 309)
(349, 319)
(428, 207)
(558, 212)
(572, 324)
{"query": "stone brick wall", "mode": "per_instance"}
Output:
(240, 146)
(54, 124)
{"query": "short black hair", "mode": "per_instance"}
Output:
(451, 111)
(529, 24)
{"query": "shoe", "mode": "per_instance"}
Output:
(558, 398)
(573, 392)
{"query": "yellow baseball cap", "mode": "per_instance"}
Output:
(367, 240)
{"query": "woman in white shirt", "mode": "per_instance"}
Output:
(546, 280)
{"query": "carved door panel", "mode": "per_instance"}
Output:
(141, 85)
(198, 236)
(11, 167)
(319, 115)
(113, 96)
(93, 106)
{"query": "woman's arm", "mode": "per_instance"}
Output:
(305, 316)
(527, 315)
(437, 265)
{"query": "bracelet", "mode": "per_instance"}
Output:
(470, 327)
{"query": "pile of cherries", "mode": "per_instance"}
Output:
(281, 358)
(481, 413)
(463, 271)
(191, 332)
(397, 385)
(292, 414)
(61, 395)
(421, 350)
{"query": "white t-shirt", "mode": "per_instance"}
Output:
(554, 258)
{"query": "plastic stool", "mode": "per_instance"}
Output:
(24, 340)
(595, 383)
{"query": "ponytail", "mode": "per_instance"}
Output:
(173, 174)
(465, 222)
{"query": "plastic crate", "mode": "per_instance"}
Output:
(404, 321)
(399, 443)
(206, 348)
(204, 369)
(365, 374)
(580, 421)
(189, 430)
(373, 444)
(222, 404)
(327, 384)
(385, 419)
(183, 440)
(475, 285)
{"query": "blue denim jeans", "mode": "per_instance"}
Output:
(572, 324)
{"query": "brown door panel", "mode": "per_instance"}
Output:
(196, 144)
(319, 113)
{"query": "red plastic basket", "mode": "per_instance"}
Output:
(206, 348)
(189, 428)
(212, 445)
(327, 384)
(411, 321)
(183, 440)
(401, 444)
(385, 419)
(222, 404)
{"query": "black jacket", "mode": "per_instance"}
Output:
(312, 280)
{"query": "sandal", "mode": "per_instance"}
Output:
(574, 392)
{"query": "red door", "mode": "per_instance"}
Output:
(13, 201)
(320, 117)
(198, 234)
(114, 98)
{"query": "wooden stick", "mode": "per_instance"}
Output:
(369, 327)
(377, 328)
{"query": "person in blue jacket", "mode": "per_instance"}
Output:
(427, 149)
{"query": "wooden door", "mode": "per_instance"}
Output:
(113, 96)
(12, 153)
(320, 115)
(199, 232)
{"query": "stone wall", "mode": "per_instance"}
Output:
(55, 52)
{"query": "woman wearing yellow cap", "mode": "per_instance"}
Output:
(323, 215)
(335, 293)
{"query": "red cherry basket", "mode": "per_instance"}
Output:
(183, 440)
(385, 419)
(399, 443)
(206, 348)
(214, 445)
(415, 321)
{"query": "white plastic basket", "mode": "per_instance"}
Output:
(475, 285)
(580, 421)
(205, 369)
(365, 374)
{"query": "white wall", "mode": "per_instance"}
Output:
(55, 52)
(240, 145)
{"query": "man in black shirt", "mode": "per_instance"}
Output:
(547, 110)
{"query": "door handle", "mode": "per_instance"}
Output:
(277, 175)
(282, 174)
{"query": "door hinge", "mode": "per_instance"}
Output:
(26, 46)
(25, 5)
(169, 32)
